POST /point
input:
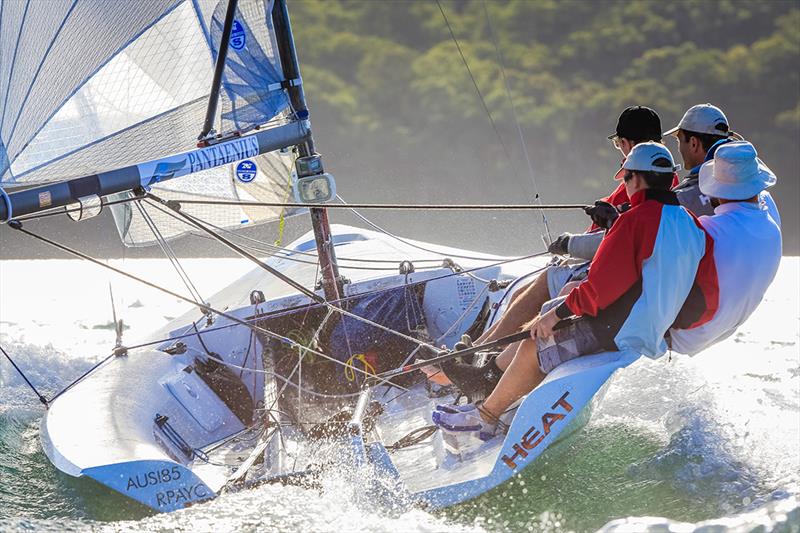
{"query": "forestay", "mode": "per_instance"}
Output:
(89, 86)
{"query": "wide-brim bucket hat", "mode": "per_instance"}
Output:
(735, 173)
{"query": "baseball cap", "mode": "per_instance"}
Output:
(638, 123)
(703, 118)
(648, 157)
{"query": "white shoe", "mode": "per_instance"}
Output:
(462, 419)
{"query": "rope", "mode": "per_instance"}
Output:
(275, 250)
(408, 243)
(472, 77)
(522, 142)
(82, 376)
(169, 253)
(395, 207)
(360, 357)
(21, 373)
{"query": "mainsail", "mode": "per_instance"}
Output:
(90, 86)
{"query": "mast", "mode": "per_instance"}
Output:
(331, 281)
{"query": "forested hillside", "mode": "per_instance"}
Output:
(394, 106)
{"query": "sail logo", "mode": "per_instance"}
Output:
(221, 154)
(238, 36)
(534, 436)
(165, 170)
(246, 171)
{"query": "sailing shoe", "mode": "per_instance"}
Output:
(463, 419)
(476, 382)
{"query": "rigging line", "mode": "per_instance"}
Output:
(298, 368)
(472, 77)
(397, 207)
(277, 251)
(346, 267)
(21, 373)
(16, 225)
(408, 243)
(196, 222)
(522, 142)
(170, 254)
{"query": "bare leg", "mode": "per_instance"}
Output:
(521, 377)
(506, 356)
(520, 310)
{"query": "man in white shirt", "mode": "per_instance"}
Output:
(747, 241)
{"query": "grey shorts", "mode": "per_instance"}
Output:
(558, 276)
(568, 342)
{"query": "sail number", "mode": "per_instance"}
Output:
(153, 477)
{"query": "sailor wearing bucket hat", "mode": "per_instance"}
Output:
(747, 241)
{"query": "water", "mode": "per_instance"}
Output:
(709, 443)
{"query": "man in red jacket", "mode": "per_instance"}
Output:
(654, 269)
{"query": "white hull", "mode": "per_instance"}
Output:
(149, 427)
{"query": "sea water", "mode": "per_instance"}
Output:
(708, 443)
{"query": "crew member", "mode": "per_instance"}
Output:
(747, 242)
(703, 129)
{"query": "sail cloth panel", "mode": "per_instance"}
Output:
(90, 86)
(51, 49)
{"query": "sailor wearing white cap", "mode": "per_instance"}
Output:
(703, 118)
(747, 241)
(702, 128)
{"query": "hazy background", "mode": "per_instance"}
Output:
(397, 117)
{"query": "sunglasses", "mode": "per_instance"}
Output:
(615, 141)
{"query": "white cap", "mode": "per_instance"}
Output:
(735, 173)
(703, 118)
(648, 157)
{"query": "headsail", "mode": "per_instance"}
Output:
(92, 86)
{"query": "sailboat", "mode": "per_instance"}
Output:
(307, 363)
